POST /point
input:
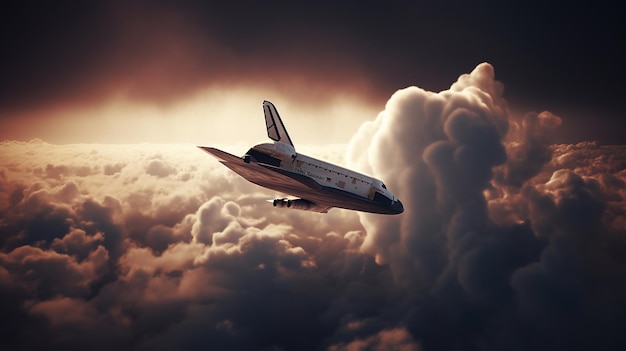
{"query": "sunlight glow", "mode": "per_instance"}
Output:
(213, 115)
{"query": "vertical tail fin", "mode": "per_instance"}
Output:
(275, 127)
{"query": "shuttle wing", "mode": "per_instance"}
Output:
(265, 176)
(222, 156)
(275, 127)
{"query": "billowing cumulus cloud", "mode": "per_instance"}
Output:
(507, 241)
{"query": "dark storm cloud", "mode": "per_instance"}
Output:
(507, 242)
(483, 258)
(529, 150)
(73, 52)
(76, 53)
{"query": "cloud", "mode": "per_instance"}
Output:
(507, 241)
(159, 169)
(496, 231)
(528, 148)
(151, 253)
(393, 339)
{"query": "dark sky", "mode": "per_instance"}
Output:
(567, 58)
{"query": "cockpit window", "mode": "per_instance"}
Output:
(384, 187)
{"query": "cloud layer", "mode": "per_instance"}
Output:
(507, 241)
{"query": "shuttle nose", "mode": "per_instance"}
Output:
(397, 207)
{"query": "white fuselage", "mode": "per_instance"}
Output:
(326, 174)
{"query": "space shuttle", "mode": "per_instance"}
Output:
(315, 185)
